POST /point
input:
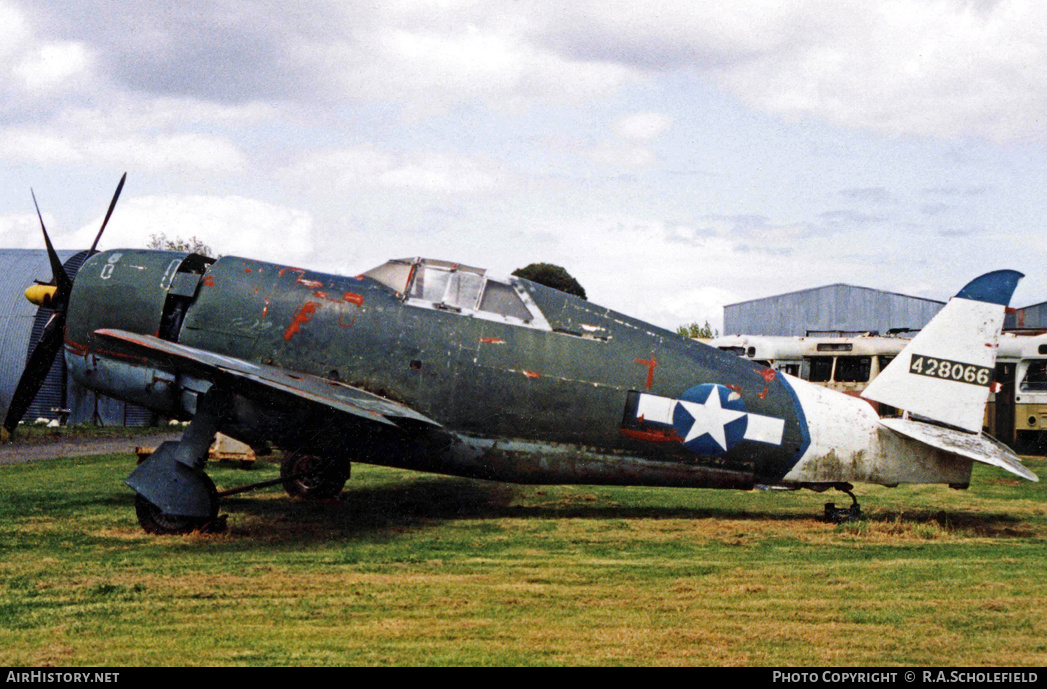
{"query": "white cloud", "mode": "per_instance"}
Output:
(939, 68)
(642, 126)
(368, 166)
(38, 147)
(151, 153)
(13, 29)
(430, 71)
(622, 155)
(22, 230)
(53, 65)
(228, 224)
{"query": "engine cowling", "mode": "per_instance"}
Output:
(140, 291)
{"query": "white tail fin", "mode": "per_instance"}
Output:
(945, 371)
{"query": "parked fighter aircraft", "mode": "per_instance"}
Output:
(441, 367)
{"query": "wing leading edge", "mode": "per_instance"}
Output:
(329, 393)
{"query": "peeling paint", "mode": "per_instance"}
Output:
(650, 364)
(304, 315)
(353, 298)
(652, 436)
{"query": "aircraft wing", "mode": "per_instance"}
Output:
(207, 365)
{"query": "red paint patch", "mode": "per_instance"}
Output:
(768, 374)
(76, 348)
(650, 364)
(734, 387)
(209, 281)
(304, 315)
(320, 295)
(667, 436)
(532, 374)
(353, 298)
(491, 340)
(763, 395)
(247, 270)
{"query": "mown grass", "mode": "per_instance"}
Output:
(41, 434)
(414, 569)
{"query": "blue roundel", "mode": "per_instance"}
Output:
(711, 419)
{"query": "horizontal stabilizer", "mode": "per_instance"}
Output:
(974, 446)
(945, 371)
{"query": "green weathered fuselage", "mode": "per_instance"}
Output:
(481, 377)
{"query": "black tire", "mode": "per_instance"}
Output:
(310, 477)
(154, 521)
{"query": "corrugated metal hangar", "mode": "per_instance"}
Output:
(831, 308)
(21, 325)
(1032, 317)
(849, 309)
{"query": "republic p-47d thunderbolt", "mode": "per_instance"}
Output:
(441, 367)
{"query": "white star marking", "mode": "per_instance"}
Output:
(710, 418)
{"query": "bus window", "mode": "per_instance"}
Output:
(853, 369)
(1035, 379)
(821, 369)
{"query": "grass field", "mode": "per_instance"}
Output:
(414, 569)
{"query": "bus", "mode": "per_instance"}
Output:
(1017, 410)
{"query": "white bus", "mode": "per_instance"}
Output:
(1017, 409)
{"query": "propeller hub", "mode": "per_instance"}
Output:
(41, 295)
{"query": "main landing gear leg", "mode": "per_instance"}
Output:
(173, 494)
(842, 515)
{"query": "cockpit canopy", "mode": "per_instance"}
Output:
(455, 287)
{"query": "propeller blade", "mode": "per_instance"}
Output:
(112, 205)
(60, 279)
(45, 351)
(36, 370)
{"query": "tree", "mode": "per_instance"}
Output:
(551, 276)
(192, 245)
(695, 330)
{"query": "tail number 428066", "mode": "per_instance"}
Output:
(950, 370)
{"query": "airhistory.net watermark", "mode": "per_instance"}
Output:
(33, 676)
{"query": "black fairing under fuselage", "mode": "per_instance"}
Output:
(571, 383)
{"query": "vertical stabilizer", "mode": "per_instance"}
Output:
(945, 372)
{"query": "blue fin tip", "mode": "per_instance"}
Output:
(996, 287)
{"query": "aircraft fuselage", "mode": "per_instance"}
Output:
(574, 388)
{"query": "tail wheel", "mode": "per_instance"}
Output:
(312, 477)
(155, 521)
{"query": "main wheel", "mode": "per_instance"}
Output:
(312, 477)
(155, 521)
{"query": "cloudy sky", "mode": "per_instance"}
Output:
(673, 156)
